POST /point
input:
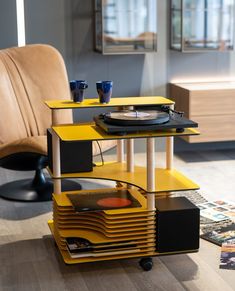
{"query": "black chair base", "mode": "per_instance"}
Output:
(31, 190)
(25, 190)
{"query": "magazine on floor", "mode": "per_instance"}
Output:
(227, 257)
(218, 210)
(220, 235)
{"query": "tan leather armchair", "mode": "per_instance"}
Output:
(28, 76)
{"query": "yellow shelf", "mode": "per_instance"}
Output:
(86, 132)
(114, 102)
(166, 180)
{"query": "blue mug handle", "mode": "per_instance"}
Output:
(82, 85)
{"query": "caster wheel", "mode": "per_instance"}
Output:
(146, 264)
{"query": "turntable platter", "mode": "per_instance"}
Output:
(148, 117)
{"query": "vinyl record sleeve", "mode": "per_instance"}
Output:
(113, 199)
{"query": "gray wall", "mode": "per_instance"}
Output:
(133, 75)
(199, 66)
(45, 22)
(8, 24)
(68, 25)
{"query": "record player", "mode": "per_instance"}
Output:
(127, 121)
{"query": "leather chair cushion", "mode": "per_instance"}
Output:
(34, 144)
(28, 76)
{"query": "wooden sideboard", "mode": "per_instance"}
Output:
(212, 105)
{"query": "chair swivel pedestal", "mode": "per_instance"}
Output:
(30, 190)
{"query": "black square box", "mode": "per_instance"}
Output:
(75, 156)
(177, 224)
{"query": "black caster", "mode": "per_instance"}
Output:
(146, 264)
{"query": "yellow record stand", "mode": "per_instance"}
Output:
(119, 233)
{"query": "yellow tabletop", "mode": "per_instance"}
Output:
(165, 180)
(85, 132)
(115, 101)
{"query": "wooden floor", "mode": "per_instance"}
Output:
(30, 261)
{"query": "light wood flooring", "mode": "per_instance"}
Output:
(29, 259)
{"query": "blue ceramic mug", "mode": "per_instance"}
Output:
(77, 88)
(104, 89)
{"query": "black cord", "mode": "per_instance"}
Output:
(101, 154)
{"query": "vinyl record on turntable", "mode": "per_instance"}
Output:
(136, 117)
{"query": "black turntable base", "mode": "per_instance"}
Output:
(120, 122)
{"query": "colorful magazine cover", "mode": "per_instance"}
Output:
(213, 214)
(227, 257)
(217, 210)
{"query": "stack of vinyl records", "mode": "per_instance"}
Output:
(102, 224)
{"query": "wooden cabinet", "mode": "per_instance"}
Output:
(212, 105)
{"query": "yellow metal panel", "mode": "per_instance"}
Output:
(94, 234)
(114, 102)
(108, 232)
(74, 223)
(97, 238)
(117, 218)
(166, 180)
(83, 132)
(76, 218)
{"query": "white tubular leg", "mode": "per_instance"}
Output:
(170, 150)
(53, 116)
(130, 155)
(120, 151)
(150, 173)
(57, 186)
(56, 162)
(150, 165)
(151, 201)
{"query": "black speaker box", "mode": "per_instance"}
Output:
(75, 156)
(177, 224)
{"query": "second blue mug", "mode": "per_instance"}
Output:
(104, 89)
